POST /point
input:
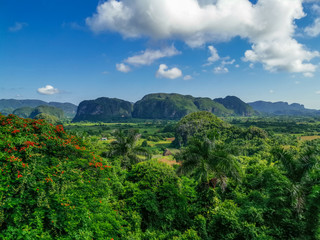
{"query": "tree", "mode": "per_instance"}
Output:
(302, 169)
(125, 146)
(208, 162)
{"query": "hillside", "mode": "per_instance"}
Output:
(7, 106)
(164, 106)
(49, 113)
(174, 106)
(283, 108)
(237, 105)
(103, 109)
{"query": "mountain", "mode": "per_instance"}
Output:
(103, 109)
(23, 112)
(237, 105)
(29, 112)
(12, 104)
(174, 106)
(209, 105)
(283, 108)
(164, 106)
(49, 110)
(69, 109)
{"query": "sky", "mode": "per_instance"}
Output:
(70, 51)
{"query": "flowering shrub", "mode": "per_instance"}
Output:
(51, 186)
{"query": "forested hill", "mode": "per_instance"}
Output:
(283, 108)
(237, 105)
(103, 109)
(175, 106)
(151, 106)
(7, 106)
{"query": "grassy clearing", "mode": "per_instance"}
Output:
(309, 138)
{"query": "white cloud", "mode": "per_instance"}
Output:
(187, 77)
(225, 62)
(123, 68)
(237, 65)
(148, 56)
(318, 92)
(308, 74)
(269, 25)
(218, 70)
(48, 90)
(314, 29)
(271, 91)
(17, 26)
(214, 54)
(164, 72)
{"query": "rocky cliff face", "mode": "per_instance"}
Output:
(103, 109)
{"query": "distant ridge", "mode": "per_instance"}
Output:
(168, 106)
(7, 106)
(283, 108)
(237, 105)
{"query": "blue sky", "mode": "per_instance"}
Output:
(77, 50)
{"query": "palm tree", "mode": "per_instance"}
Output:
(126, 147)
(208, 162)
(298, 168)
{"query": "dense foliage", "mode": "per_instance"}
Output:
(46, 185)
(229, 182)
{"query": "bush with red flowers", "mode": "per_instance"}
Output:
(51, 186)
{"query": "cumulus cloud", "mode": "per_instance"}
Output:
(288, 55)
(187, 77)
(148, 56)
(48, 90)
(214, 54)
(17, 26)
(314, 29)
(269, 25)
(220, 69)
(165, 72)
(121, 67)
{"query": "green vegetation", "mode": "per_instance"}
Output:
(23, 112)
(103, 109)
(50, 114)
(53, 111)
(152, 106)
(8, 106)
(251, 178)
(239, 107)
